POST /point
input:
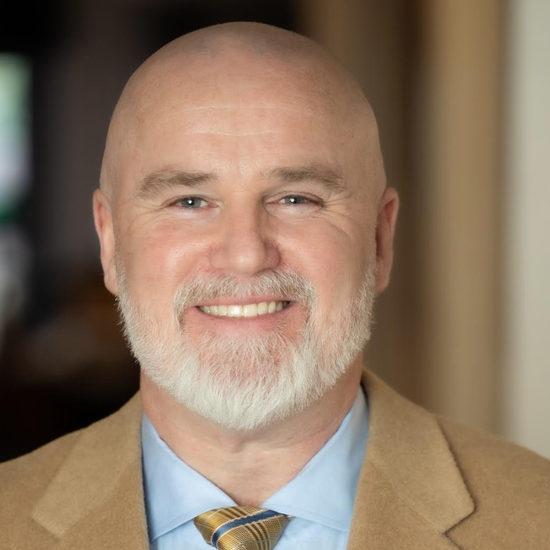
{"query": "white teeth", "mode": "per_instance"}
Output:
(222, 311)
(233, 311)
(249, 310)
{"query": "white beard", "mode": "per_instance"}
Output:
(247, 382)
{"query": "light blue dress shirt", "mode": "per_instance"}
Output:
(320, 497)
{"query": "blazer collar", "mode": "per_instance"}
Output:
(410, 491)
(113, 507)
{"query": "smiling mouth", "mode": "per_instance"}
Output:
(245, 311)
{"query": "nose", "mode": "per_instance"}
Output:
(244, 245)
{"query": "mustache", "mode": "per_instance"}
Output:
(284, 282)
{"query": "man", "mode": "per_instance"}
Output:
(246, 228)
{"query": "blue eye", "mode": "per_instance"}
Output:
(298, 199)
(190, 203)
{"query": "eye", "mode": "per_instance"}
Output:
(189, 203)
(298, 200)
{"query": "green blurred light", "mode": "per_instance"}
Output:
(15, 81)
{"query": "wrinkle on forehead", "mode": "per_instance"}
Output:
(245, 65)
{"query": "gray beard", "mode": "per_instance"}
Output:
(248, 382)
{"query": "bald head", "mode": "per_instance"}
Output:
(241, 62)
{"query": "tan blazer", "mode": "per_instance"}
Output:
(426, 483)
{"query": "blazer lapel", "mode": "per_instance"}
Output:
(107, 512)
(410, 491)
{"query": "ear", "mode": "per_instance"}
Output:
(103, 220)
(385, 230)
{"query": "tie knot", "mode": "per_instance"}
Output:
(241, 527)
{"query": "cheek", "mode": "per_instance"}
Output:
(329, 257)
(157, 260)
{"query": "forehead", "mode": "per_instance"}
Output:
(240, 117)
(237, 77)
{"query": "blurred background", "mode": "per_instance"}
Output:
(461, 89)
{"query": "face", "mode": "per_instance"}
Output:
(243, 190)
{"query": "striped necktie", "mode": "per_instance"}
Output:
(241, 527)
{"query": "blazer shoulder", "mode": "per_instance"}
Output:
(48, 491)
(482, 451)
(30, 473)
(510, 486)
(23, 479)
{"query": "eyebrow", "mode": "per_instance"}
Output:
(158, 181)
(164, 179)
(324, 174)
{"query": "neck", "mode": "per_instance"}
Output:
(250, 466)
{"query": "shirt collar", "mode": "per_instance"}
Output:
(174, 492)
(323, 492)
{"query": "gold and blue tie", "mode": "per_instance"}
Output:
(241, 527)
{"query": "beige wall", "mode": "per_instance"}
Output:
(459, 174)
(525, 398)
